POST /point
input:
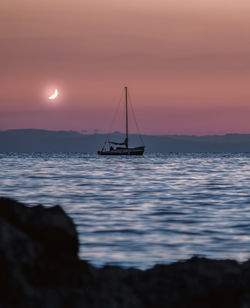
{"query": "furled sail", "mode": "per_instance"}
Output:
(116, 143)
(125, 142)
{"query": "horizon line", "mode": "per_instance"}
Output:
(83, 132)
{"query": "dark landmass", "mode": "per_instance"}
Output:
(39, 268)
(34, 140)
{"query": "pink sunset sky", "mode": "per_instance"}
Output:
(186, 63)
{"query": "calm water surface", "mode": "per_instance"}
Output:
(139, 211)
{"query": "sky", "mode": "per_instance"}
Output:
(186, 64)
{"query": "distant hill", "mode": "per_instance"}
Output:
(35, 140)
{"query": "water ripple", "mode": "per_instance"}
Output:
(138, 211)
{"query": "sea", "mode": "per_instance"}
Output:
(141, 211)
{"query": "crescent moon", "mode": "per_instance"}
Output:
(54, 95)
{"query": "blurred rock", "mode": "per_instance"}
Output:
(39, 267)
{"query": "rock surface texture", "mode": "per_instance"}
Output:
(39, 267)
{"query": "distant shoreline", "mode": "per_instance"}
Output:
(36, 140)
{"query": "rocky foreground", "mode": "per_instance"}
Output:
(39, 267)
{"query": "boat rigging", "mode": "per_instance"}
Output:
(122, 148)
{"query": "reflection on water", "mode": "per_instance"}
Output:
(138, 211)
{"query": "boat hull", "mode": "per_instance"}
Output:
(121, 151)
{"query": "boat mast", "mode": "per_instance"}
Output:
(126, 101)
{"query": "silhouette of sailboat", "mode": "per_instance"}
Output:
(121, 148)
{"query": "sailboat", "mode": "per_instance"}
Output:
(121, 148)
